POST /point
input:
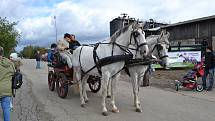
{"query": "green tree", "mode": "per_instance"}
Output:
(30, 51)
(27, 52)
(9, 36)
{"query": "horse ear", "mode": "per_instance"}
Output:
(134, 25)
(160, 35)
(141, 24)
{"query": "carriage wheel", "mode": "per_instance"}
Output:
(51, 81)
(94, 83)
(199, 87)
(62, 86)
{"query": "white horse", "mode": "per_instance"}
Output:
(158, 46)
(83, 61)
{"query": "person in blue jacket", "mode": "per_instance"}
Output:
(51, 53)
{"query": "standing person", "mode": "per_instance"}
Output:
(209, 68)
(6, 71)
(38, 58)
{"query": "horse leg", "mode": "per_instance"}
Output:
(84, 88)
(105, 79)
(77, 76)
(138, 105)
(135, 83)
(140, 79)
(109, 89)
(113, 90)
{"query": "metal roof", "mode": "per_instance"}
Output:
(191, 21)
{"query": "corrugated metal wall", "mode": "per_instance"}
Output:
(198, 31)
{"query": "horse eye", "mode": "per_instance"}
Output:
(160, 47)
(136, 34)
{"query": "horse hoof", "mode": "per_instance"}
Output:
(86, 101)
(138, 110)
(105, 113)
(115, 110)
(108, 96)
(82, 105)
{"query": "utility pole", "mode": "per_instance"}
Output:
(55, 28)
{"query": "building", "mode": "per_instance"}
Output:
(119, 23)
(193, 32)
(124, 20)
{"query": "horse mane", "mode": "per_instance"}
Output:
(119, 32)
(162, 34)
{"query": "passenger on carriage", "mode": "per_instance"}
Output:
(51, 53)
(73, 43)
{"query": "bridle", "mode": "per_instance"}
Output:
(159, 47)
(134, 34)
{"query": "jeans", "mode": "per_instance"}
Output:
(38, 65)
(209, 72)
(5, 104)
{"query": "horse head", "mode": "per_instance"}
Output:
(162, 47)
(138, 39)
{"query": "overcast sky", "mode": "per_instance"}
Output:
(89, 19)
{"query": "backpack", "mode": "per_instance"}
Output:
(213, 57)
(16, 81)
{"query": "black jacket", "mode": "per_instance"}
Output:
(74, 44)
(38, 57)
(209, 60)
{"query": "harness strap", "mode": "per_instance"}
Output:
(80, 59)
(121, 47)
(141, 45)
(127, 71)
(165, 56)
(89, 70)
(160, 57)
(95, 57)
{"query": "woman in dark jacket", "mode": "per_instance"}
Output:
(209, 68)
(73, 43)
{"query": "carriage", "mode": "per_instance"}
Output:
(60, 76)
(107, 59)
